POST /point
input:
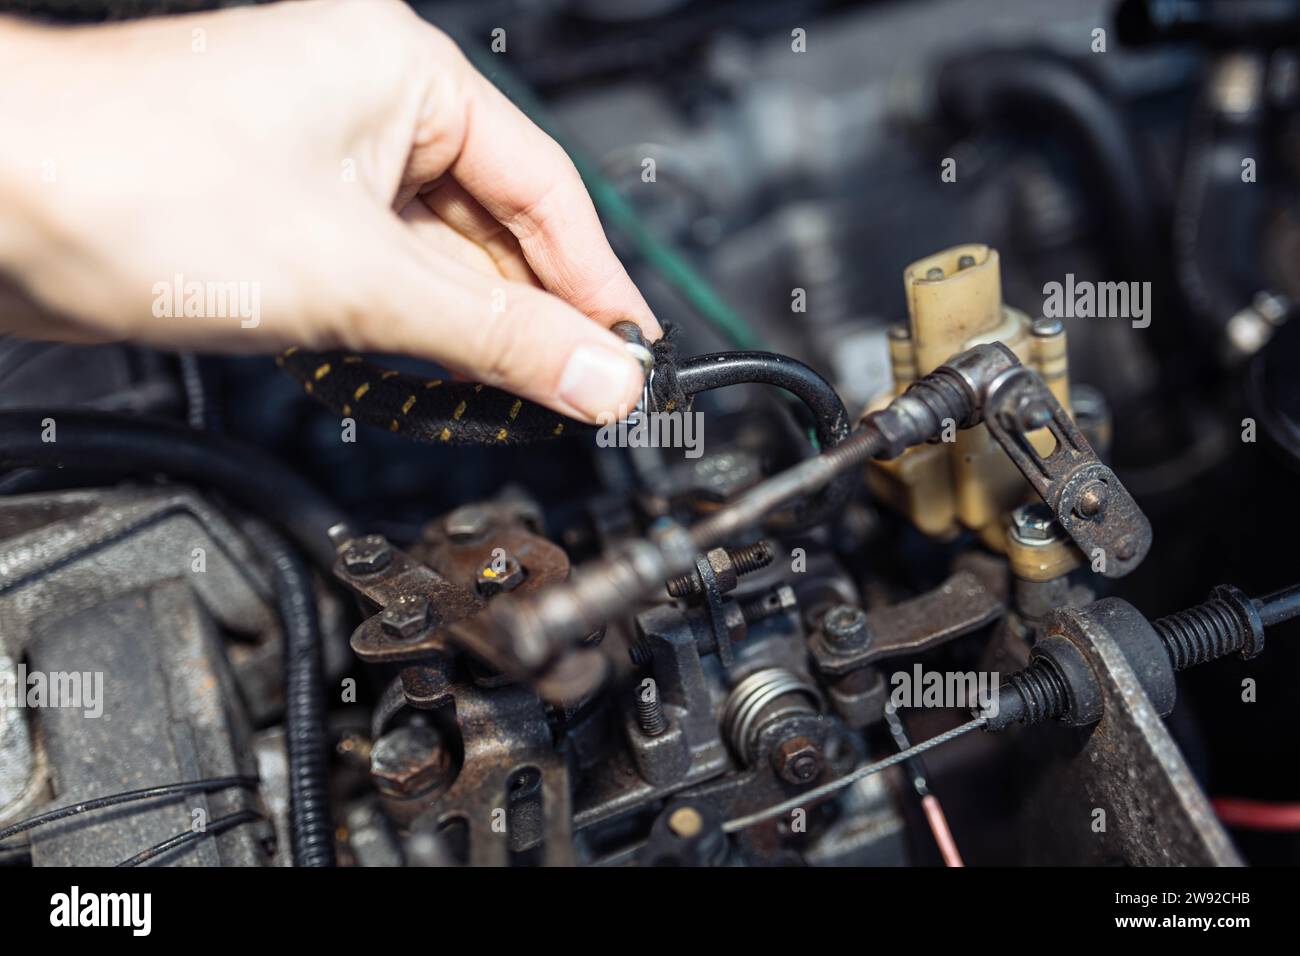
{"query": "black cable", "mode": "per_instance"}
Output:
(123, 445)
(199, 409)
(702, 373)
(129, 796)
(1279, 606)
(311, 829)
(216, 827)
(434, 410)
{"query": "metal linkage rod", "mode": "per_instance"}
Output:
(525, 634)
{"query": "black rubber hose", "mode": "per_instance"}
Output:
(1041, 90)
(122, 445)
(310, 826)
(702, 373)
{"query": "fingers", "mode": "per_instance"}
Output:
(506, 333)
(526, 182)
(495, 255)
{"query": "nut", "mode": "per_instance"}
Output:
(797, 760)
(1034, 524)
(409, 761)
(724, 569)
(406, 618)
(493, 581)
(367, 555)
(1025, 411)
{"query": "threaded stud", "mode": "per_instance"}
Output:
(1202, 633)
(650, 711)
(1041, 689)
(750, 558)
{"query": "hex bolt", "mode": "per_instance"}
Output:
(650, 710)
(1092, 500)
(934, 272)
(845, 627)
(367, 555)
(745, 560)
(409, 760)
(492, 581)
(965, 262)
(1034, 524)
(797, 760)
(467, 523)
(406, 618)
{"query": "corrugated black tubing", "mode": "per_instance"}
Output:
(119, 445)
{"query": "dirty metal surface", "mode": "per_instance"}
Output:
(1127, 765)
(957, 607)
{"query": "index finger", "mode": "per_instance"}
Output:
(528, 183)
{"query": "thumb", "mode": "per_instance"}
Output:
(508, 334)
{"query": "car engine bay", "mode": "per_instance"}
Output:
(993, 565)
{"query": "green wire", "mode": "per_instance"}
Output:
(619, 213)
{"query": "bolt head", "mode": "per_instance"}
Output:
(492, 581)
(408, 761)
(467, 523)
(1091, 502)
(406, 618)
(845, 627)
(1034, 523)
(367, 555)
(797, 760)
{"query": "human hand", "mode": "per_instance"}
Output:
(336, 167)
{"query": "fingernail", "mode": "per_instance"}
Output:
(598, 381)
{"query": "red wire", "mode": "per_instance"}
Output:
(939, 827)
(1256, 814)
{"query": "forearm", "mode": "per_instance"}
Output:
(26, 55)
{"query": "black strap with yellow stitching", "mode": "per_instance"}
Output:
(426, 409)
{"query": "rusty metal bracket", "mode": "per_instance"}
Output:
(1127, 764)
(1086, 497)
(957, 607)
